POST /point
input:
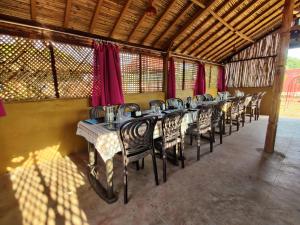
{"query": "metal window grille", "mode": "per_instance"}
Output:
(130, 70)
(179, 72)
(74, 68)
(152, 73)
(190, 74)
(25, 69)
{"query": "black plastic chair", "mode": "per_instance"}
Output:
(259, 99)
(129, 107)
(174, 102)
(171, 138)
(156, 103)
(217, 120)
(208, 97)
(202, 126)
(200, 98)
(137, 139)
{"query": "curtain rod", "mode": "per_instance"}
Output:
(193, 58)
(92, 36)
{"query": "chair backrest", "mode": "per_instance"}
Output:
(129, 107)
(204, 119)
(234, 108)
(97, 112)
(200, 98)
(259, 97)
(171, 128)
(174, 102)
(208, 97)
(137, 138)
(248, 99)
(217, 112)
(156, 103)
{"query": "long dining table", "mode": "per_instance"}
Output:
(104, 141)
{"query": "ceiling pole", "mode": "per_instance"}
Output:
(279, 74)
(67, 13)
(95, 15)
(33, 9)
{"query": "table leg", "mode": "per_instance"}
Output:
(107, 194)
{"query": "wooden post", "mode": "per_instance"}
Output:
(279, 74)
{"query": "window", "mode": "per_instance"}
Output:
(152, 73)
(186, 72)
(190, 74)
(130, 71)
(141, 73)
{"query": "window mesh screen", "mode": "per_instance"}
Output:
(179, 73)
(130, 69)
(74, 68)
(25, 69)
(190, 74)
(152, 73)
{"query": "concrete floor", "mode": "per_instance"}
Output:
(236, 184)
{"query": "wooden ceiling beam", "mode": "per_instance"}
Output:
(161, 18)
(33, 9)
(221, 20)
(122, 13)
(181, 14)
(225, 38)
(260, 21)
(213, 35)
(67, 13)
(95, 15)
(137, 25)
(193, 20)
(264, 25)
(206, 32)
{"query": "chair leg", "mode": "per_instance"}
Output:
(211, 141)
(221, 132)
(181, 154)
(137, 163)
(224, 123)
(237, 122)
(175, 148)
(213, 130)
(251, 114)
(125, 185)
(243, 119)
(154, 167)
(164, 165)
(198, 147)
(230, 125)
(191, 139)
(143, 163)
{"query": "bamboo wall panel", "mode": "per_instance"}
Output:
(254, 66)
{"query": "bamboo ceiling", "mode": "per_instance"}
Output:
(206, 29)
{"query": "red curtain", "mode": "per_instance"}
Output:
(107, 81)
(171, 83)
(200, 84)
(2, 110)
(221, 79)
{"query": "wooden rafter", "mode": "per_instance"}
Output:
(225, 23)
(116, 25)
(262, 27)
(223, 41)
(210, 35)
(95, 16)
(67, 13)
(137, 25)
(33, 9)
(181, 14)
(161, 18)
(215, 23)
(232, 41)
(191, 22)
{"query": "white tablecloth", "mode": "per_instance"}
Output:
(108, 143)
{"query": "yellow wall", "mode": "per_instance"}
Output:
(183, 94)
(44, 127)
(266, 101)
